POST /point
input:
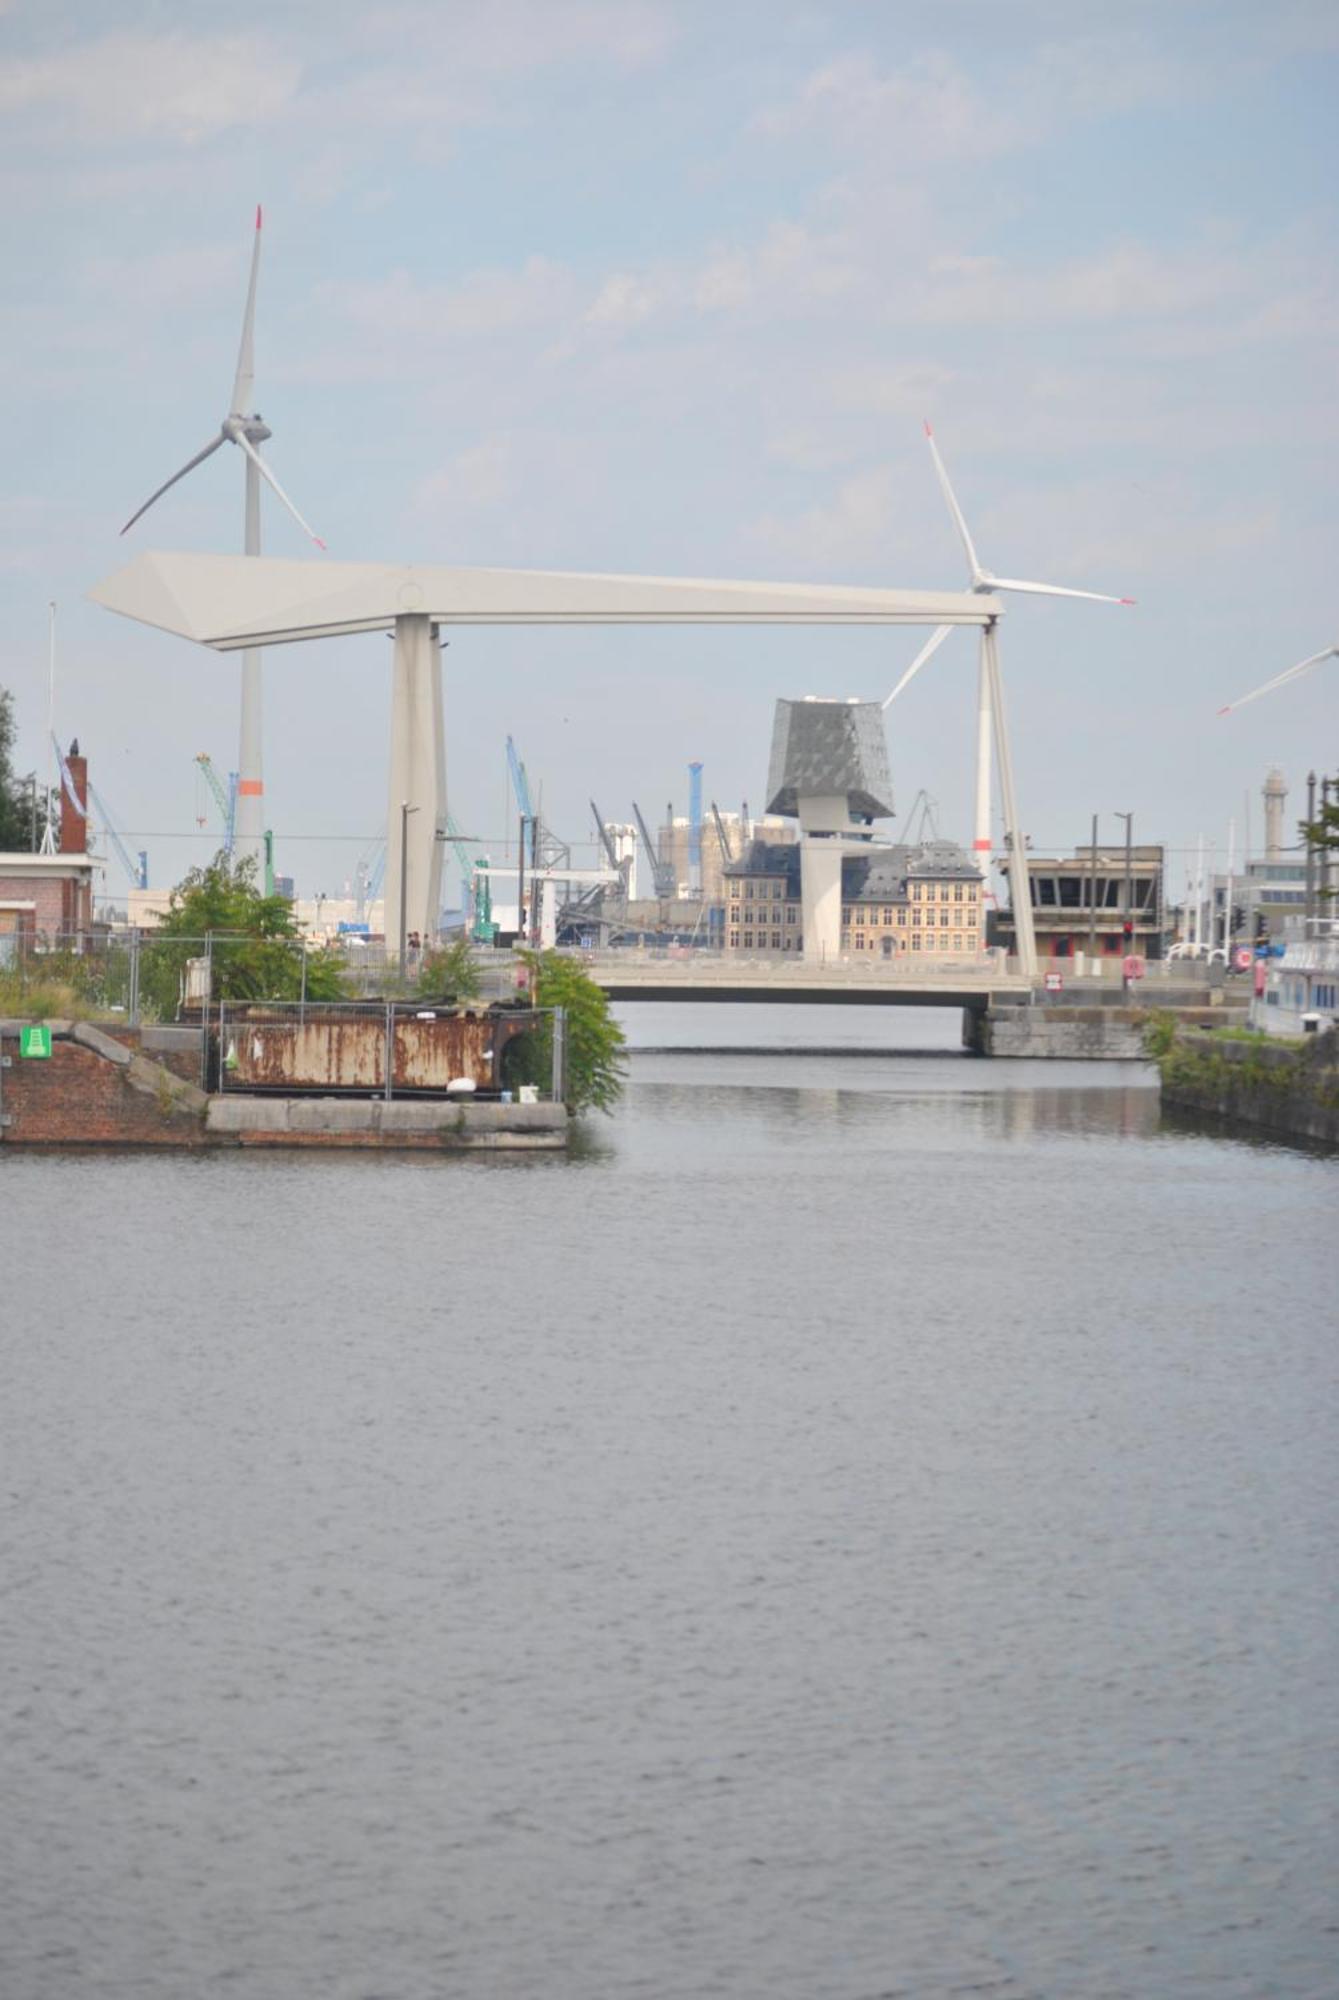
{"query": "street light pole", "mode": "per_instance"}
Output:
(1092, 894)
(1127, 914)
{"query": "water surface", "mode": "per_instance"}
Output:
(863, 1526)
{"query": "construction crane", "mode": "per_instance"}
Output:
(520, 784)
(546, 850)
(225, 801)
(611, 852)
(721, 834)
(139, 875)
(695, 828)
(476, 896)
(662, 872)
(926, 828)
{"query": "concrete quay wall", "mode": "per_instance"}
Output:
(124, 1087)
(1287, 1090)
(415, 1124)
(1075, 1034)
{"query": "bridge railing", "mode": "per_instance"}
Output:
(707, 968)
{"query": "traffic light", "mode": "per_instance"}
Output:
(1127, 930)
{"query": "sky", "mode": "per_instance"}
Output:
(670, 287)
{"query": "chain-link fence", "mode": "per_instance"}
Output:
(386, 1048)
(146, 976)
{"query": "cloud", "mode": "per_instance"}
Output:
(399, 326)
(178, 87)
(929, 110)
(172, 279)
(855, 530)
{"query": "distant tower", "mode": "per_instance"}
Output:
(1276, 791)
(695, 829)
(829, 770)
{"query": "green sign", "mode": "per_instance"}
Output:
(35, 1041)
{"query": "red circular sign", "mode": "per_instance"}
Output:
(1133, 967)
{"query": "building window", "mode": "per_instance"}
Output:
(901, 916)
(915, 940)
(748, 940)
(748, 890)
(790, 914)
(776, 940)
(957, 940)
(734, 939)
(943, 918)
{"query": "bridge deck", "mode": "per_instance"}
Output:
(632, 976)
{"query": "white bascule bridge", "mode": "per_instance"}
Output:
(236, 603)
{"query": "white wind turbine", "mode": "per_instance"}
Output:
(1279, 680)
(244, 427)
(984, 581)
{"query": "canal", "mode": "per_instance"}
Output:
(862, 1525)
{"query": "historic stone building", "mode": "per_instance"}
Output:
(924, 900)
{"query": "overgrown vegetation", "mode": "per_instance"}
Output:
(449, 973)
(595, 1045)
(254, 945)
(1322, 833)
(22, 811)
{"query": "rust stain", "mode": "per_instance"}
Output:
(341, 1049)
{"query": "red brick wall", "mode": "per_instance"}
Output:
(63, 904)
(77, 1098)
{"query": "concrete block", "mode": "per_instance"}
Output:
(332, 1114)
(236, 1115)
(102, 1045)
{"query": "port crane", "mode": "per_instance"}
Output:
(226, 801)
(138, 872)
(721, 834)
(662, 872)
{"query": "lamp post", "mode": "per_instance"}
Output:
(405, 810)
(1127, 914)
(1092, 895)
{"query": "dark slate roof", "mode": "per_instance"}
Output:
(883, 876)
(770, 857)
(879, 879)
(826, 748)
(943, 861)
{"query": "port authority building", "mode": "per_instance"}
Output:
(837, 891)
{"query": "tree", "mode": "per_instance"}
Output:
(449, 973)
(1321, 834)
(255, 947)
(595, 1044)
(17, 831)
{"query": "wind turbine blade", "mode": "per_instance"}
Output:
(1050, 589)
(973, 562)
(932, 645)
(244, 387)
(1302, 667)
(189, 466)
(239, 437)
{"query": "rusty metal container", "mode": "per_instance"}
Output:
(342, 1048)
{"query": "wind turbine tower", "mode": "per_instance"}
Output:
(984, 582)
(245, 427)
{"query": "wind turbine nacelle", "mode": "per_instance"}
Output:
(254, 429)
